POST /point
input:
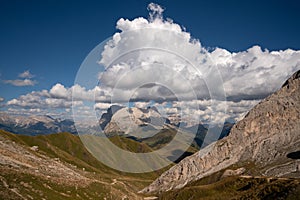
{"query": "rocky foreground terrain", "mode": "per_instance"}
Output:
(57, 166)
(262, 143)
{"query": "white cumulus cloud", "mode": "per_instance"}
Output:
(161, 53)
(255, 73)
(59, 91)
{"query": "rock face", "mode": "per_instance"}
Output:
(267, 134)
(35, 125)
(230, 172)
(132, 121)
(146, 122)
(19, 158)
(106, 117)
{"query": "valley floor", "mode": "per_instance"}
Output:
(58, 166)
(29, 172)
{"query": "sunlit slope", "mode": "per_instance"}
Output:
(62, 168)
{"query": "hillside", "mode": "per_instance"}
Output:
(57, 166)
(237, 187)
(266, 137)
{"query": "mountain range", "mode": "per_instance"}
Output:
(35, 125)
(141, 124)
(135, 123)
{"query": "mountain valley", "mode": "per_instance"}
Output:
(259, 159)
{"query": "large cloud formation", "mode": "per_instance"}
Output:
(160, 51)
(156, 59)
(255, 73)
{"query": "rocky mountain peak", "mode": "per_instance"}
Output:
(292, 79)
(132, 120)
(106, 117)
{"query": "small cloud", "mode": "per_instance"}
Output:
(25, 80)
(102, 106)
(155, 11)
(1, 99)
(26, 74)
(59, 91)
(21, 82)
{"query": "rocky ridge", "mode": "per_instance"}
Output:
(130, 121)
(57, 166)
(267, 134)
(38, 164)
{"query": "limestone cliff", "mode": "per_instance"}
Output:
(267, 135)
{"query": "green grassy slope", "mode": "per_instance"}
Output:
(165, 136)
(26, 186)
(69, 149)
(236, 187)
(130, 145)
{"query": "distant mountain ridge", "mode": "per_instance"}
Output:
(142, 123)
(130, 121)
(35, 125)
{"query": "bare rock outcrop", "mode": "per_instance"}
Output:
(14, 156)
(265, 136)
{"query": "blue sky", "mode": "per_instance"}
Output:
(51, 38)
